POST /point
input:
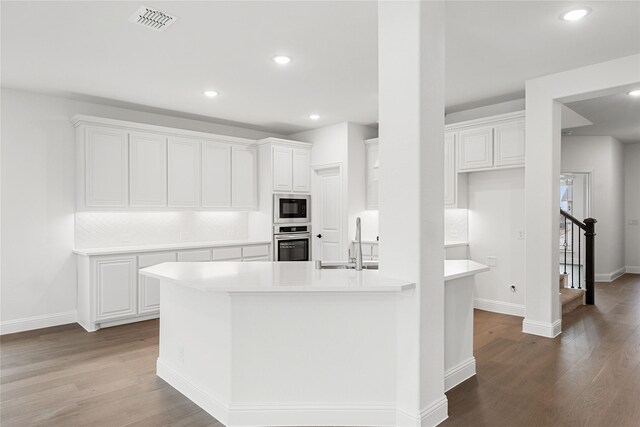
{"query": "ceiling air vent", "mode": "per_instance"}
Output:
(152, 18)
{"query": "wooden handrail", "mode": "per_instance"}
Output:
(588, 226)
(573, 219)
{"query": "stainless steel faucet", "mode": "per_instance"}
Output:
(358, 245)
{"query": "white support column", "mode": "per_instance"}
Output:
(542, 175)
(411, 100)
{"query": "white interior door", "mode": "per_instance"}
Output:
(327, 214)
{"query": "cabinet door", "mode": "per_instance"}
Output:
(509, 143)
(244, 175)
(147, 170)
(282, 168)
(475, 148)
(184, 172)
(216, 175)
(372, 173)
(196, 255)
(148, 295)
(450, 172)
(301, 171)
(106, 168)
(115, 287)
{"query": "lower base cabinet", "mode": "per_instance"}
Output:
(111, 291)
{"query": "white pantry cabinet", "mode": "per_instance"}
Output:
(491, 143)
(132, 166)
(107, 176)
(455, 184)
(216, 174)
(148, 170)
(288, 165)
(111, 291)
(244, 178)
(184, 172)
(372, 171)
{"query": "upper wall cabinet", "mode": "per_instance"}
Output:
(148, 170)
(106, 174)
(244, 179)
(132, 166)
(288, 163)
(184, 172)
(455, 184)
(372, 170)
(491, 143)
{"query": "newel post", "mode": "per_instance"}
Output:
(590, 250)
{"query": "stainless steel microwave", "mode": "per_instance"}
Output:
(291, 208)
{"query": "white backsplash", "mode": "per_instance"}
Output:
(107, 229)
(456, 225)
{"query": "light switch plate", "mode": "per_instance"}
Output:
(492, 261)
(632, 222)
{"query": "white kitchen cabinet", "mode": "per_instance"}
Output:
(372, 171)
(116, 287)
(216, 174)
(509, 143)
(106, 170)
(282, 169)
(195, 255)
(147, 170)
(301, 176)
(148, 295)
(184, 172)
(244, 177)
(475, 148)
(450, 170)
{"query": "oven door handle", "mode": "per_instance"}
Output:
(292, 236)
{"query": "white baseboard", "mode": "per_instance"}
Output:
(288, 414)
(543, 329)
(610, 277)
(633, 269)
(37, 322)
(459, 373)
(435, 413)
(499, 306)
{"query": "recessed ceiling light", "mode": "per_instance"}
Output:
(282, 60)
(635, 92)
(210, 93)
(575, 14)
(314, 116)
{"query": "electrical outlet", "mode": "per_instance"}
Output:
(492, 261)
(181, 353)
(520, 235)
(513, 288)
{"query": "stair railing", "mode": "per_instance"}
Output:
(588, 227)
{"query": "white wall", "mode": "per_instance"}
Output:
(496, 215)
(632, 207)
(605, 157)
(38, 201)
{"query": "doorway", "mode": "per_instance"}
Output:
(575, 198)
(327, 213)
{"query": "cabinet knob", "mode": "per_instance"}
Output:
(319, 236)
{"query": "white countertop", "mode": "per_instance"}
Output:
(457, 268)
(237, 277)
(447, 244)
(167, 247)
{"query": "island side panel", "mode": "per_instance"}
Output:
(195, 345)
(305, 358)
(458, 352)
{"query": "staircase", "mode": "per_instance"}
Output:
(570, 298)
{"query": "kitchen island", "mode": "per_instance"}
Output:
(284, 343)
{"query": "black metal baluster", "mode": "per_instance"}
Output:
(573, 250)
(579, 260)
(565, 245)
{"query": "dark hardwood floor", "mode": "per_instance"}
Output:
(588, 376)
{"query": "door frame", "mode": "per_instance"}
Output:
(590, 199)
(315, 207)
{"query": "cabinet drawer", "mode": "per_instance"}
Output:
(195, 255)
(148, 260)
(220, 254)
(255, 251)
(259, 258)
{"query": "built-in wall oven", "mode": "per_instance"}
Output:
(292, 242)
(291, 208)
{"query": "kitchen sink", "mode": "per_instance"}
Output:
(346, 266)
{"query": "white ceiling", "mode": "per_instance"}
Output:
(89, 49)
(613, 115)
